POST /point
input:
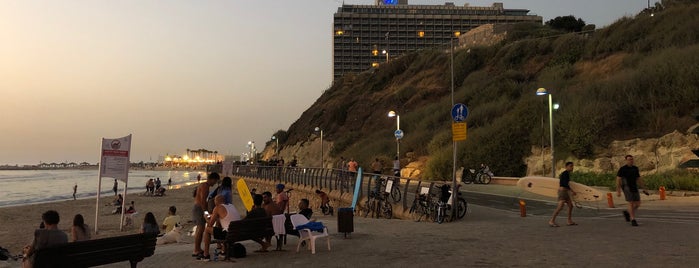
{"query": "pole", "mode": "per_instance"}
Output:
(123, 204)
(553, 160)
(453, 173)
(397, 139)
(387, 46)
(321, 149)
(99, 188)
(543, 159)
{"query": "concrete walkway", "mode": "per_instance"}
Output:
(485, 238)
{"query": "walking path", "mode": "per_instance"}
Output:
(485, 238)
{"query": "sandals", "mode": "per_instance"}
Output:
(554, 225)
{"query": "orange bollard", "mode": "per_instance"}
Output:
(662, 192)
(522, 208)
(610, 200)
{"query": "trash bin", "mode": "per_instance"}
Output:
(345, 220)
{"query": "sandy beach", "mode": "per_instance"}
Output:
(25, 219)
(487, 237)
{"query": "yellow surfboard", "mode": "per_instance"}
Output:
(244, 194)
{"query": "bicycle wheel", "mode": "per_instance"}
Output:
(461, 207)
(468, 179)
(369, 206)
(413, 211)
(386, 210)
(395, 194)
(484, 179)
(440, 213)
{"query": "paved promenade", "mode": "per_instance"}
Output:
(487, 237)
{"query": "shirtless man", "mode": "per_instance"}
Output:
(282, 199)
(200, 205)
(270, 207)
(222, 215)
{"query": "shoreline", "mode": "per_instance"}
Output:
(25, 218)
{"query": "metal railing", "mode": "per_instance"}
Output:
(331, 179)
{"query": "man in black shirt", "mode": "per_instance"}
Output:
(628, 179)
(258, 212)
(564, 196)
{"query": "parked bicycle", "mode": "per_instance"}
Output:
(394, 190)
(378, 206)
(422, 206)
(461, 204)
(483, 176)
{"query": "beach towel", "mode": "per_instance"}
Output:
(313, 226)
(278, 224)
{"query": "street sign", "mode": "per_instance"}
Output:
(459, 112)
(458, 131)
(398, 133)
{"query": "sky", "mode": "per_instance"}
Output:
(177, 74)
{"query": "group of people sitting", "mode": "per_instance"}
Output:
(154, 187)
(48, 233)
(214, 225)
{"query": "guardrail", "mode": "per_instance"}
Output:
(341, 182)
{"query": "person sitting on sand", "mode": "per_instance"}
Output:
(46, 237)
(79, 231)
(150, 226)
(171, 220)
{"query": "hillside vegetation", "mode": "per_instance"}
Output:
(636, 78)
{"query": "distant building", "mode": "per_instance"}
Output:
(365, 36)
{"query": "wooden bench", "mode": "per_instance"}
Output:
(132, 248)
(247, 229)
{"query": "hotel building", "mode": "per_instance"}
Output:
(365, 36)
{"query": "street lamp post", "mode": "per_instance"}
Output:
(394, 114)
(276, 149)
(321, 145)
(251, 144)
(540, 92)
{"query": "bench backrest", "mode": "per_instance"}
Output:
(247, 229)
(132, 248)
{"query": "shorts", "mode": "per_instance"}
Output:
(563, 195)
(198, 216)
(631, 195)
(219, 233)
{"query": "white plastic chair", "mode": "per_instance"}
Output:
(306, 234)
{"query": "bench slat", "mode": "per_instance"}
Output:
(132, 248)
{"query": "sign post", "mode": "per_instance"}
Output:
(459, 112)
(114, 163)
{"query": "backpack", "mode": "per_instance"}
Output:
(238, 251)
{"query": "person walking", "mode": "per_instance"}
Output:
(75, 190)
(628, 178)
(564, 192)
(116, 184)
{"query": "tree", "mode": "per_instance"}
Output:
(567, 23)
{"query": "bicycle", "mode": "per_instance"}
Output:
(422, 206)
(395, 192)
(377, 205)
(461, 204)
(442, 206)
(483, 176)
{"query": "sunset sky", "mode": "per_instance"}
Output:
(177, 74)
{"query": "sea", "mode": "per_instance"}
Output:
(22, 187)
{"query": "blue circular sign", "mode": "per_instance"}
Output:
(398, 133)
(459, 112)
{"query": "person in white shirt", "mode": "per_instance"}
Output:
(222, 215)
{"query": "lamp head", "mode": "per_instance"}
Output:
(556, 106)
(392, 114)
(541, 91)
(274, 137)
(317, 129)
(384, 52)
